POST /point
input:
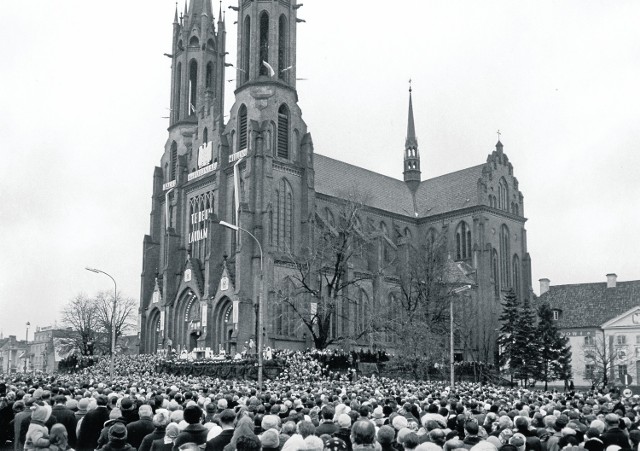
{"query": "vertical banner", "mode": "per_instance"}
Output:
(236, 308)
(203, 311)
(162, 320)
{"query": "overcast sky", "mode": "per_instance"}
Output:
(85, 87)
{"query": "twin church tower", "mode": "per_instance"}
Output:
(258, 169)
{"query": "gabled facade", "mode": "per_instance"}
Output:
(259, 170)
(602, 322)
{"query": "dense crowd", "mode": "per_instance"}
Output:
(306, 408)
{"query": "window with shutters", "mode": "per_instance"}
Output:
(283, 132)
(242, 128)
(174, 161)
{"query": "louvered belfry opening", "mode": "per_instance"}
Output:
(283, 132)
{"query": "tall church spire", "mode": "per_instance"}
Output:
(411, 173)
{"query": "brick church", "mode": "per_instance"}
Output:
(201, 281)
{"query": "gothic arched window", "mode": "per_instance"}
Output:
(503, 195)
(362, 312)
(246, 50)
(194, 41)
(209, 75)
(283, 217)
(242, 128)
(463, 241)
(264, 43)
(193, 87)
(282, 48)
(283, 132)
(505, 256)
(495, 272)
(516, 274)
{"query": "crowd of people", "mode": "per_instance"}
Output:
(306, 408)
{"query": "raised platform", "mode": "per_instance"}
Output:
(223, 369)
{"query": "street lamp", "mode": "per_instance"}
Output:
(259, 318)
(26, 352)
(451, 341)
(113, 320)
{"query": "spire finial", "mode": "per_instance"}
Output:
(220, 12)
(410, 88)
(175, 18)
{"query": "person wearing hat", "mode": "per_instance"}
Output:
(21, 413)
(117, 439)
(138, 430)
(129, 410)
(344, 430)
(227, 419)
(194, 432)
(613, 435)
(160, 421)
(38, 434)
(65, 416)
(166, 443)
(92, 425)
(270, 440)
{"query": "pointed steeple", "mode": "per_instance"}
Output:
(412, 174)
(175, 19)
(411, 127)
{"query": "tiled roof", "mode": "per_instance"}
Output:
(336, 178)
(591, 304)
(449, 192)
(441, 194)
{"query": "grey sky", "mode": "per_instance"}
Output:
(85, 87)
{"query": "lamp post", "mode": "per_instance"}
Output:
(451, 341)
(113, 320)
(259, 318)
(26, 352)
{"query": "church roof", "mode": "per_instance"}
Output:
(441, 194)
(449, 192)
(591, 304)
(335, 178)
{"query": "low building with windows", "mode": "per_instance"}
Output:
(13, 355)
(602, 321)
(259, 170)
(50, 344)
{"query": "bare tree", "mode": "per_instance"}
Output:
(81, 315)
(599, 358)
(415, 319)
(124, 317)
(323, 292)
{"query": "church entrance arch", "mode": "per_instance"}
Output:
(224, 332)
(188, 321)
(154, 334)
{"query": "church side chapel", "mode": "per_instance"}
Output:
(259, 170)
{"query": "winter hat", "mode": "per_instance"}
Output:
(40, 413)
(399, 422)
(335, 444)
(344, 421)
(126, 404)
(386, 435)
(83, 405)
(270, 422)
(172, 430)
(118, 432)
(519, 441)
(192, 414)
(270, 439)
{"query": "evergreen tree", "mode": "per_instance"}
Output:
(554, 350)
(561, 368)
(509, 354)
(526, 341)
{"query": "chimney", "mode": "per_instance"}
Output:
(544, 286)
(612, 280)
